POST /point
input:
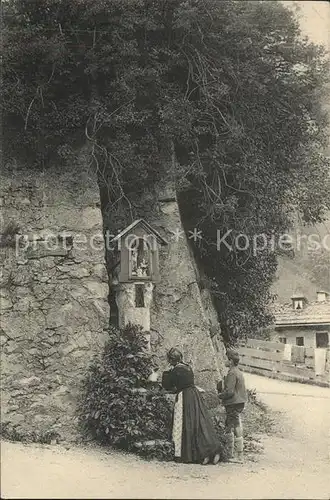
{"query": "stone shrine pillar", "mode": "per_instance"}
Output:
(133, 302)
(136, 271)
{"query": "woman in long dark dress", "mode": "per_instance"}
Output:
(193, 433)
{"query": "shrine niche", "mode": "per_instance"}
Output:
(140, 259)
(137, 249)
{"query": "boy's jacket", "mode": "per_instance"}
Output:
(234, 388)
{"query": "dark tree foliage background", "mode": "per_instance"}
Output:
(232, 86)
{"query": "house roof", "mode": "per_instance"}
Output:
(313, 314)
(298, 296)
(146, 226)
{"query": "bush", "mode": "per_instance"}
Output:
(110, 411)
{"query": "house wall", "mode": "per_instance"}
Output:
(54, 306)
(309, 334)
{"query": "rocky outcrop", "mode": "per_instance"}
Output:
(54, 297)
(183, 315)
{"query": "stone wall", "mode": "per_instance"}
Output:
(54, 290)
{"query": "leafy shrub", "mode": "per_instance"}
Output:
(211, 399)
(111, 410)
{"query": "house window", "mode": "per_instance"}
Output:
(139, 295)
(282, 340)
(300, 341)
(322, 339)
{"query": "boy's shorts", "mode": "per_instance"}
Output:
(233, 415)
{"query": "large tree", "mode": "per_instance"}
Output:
(232, 85)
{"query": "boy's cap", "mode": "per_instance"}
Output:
(231, 354)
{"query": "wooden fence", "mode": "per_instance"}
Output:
(277, 360)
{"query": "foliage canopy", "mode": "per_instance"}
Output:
(231, 85)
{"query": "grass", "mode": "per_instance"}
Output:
(258, 419)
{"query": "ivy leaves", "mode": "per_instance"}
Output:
(112, 410)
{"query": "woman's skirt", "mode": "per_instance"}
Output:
(193, 432)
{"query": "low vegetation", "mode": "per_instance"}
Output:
(119, 407)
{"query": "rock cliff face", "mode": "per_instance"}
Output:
(54, 292)
(54, 298)
(182, 315)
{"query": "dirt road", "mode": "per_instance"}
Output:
(295, 463)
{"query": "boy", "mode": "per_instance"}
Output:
(234, 397)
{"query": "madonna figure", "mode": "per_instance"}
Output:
(193, 433)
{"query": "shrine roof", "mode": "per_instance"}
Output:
(142, 223)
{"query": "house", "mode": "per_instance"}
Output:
(304, 323)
